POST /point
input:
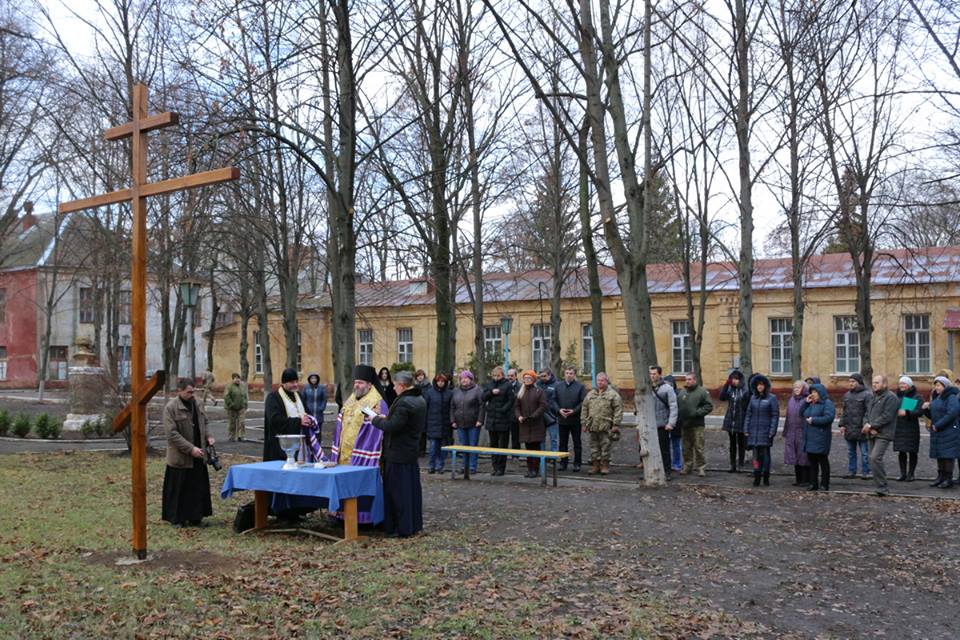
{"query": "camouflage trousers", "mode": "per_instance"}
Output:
(600, 446)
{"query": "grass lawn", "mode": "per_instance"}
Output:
(65, 521)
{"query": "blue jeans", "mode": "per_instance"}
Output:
(469, 437)
(676, 450)
(438, 457)
(553, 436)
(864, 447)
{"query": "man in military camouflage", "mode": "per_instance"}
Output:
(601, 416)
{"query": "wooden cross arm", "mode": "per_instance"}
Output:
(203, 179)
(149, 123)
(154, 384)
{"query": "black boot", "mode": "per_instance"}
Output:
(766, 479)
(939, 480)
(733, 459)
(756, 478)
(913, 467)
(902, 458)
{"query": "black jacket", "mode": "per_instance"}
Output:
(499, 408)
(570, 396)
(276, 422)
(402, 428)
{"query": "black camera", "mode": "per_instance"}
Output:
(213, 459)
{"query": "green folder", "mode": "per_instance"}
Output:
(908, 404)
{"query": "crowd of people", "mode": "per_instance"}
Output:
(389, 420)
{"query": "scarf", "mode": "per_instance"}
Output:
(294, 408)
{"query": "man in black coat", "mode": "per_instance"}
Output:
(570, 395)
(403, 497)
(277, 418)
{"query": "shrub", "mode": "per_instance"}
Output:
(402, 366)
(88, 429)
(21, 425)
(47, 427)
(4, 422)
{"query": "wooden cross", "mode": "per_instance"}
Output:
(135, 413)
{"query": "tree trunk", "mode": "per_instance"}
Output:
(745, 267)
(590, 254)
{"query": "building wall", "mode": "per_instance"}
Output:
(18, 333)
(719, 351)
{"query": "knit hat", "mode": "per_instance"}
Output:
(945, 381)
(466, 374)
(857, 377)
(529, 372)
(289, 375)
(906, 380)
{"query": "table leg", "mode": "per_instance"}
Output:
(350, 519)
(261, 507)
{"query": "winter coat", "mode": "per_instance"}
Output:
(402, 428)
(549, 389)
(531, 408)
(178, 427)
(943, 412)
(763, 415)
(466, 407)
(793, 452)
(907, 434)
(499, 408)
(817, 434)
(570, 395)
(737, 398)
(882, 413)
(602, 411)
(438, 412)
(665, 405)
(314, 399)
(854, 406)
(234, 398)
(693, 405)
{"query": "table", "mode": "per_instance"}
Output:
(341, 486)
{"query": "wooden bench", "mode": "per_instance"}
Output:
(544, 456)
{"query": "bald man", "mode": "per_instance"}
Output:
(879, 425)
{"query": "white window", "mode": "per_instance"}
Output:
(57, 363)
(365, 347)
(586, 348)
(87, 310)
(299, 353)
(541, 346)
(682, 350)
(916, 343)
(492, 341)
(123, 308)
(781, 345)
(3, 363)
(404, 345)
(257, 354)
(123, 363)
(846, 342)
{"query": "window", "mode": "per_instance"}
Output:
(916, 343)
(365, 346)
(3, 363)
(299, 353)
(224, 318)
(846, 344)
(781, 345)
(493, 340)
(541, 346)
(257, 354)
(404, 345)
(682, 351)
(123, 363)
(3, 305)
(87, 312)
(57, 363)
(586, 348)
(123, 307)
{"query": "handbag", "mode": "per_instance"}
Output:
(245, 518)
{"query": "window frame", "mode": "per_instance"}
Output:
(586, 354)
(917, 346)
(785, 346)
(848, 332)
(685, 345)
(257, 354)
(63, 363)
(3, 305)
(365, 356)
(86, 306)
(540, 345)
(493, 345)
(3, 362)
(404, 347)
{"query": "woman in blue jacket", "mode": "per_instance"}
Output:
(439, 431)
(818, 417)
(761, 423)
(944, 411)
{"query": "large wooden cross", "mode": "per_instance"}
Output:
(135, 413)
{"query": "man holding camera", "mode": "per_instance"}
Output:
(186, 483)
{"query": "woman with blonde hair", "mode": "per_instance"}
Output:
(530, 406)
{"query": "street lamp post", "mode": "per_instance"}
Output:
(506, 325)
(189, 292)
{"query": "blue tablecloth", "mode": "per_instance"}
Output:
(332, 484)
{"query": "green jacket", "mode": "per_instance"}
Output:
(235, 398)
(693, 405)
(602, 411)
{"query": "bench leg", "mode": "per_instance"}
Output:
(453, 467)
(466, 466)
(543, 471)
(554, 472)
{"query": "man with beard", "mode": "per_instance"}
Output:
(356, 441)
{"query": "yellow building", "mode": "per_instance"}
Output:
(915, 297)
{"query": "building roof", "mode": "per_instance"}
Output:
(896, 267)
(25, 249)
